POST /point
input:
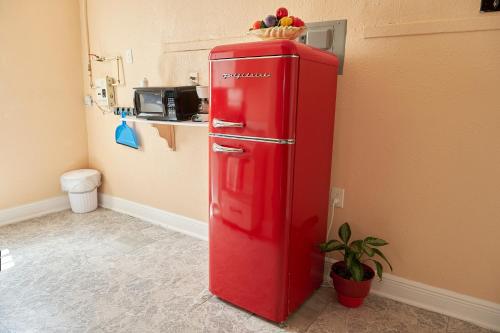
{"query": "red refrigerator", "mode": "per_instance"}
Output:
(271, 136)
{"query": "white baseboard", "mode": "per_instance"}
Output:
(34, 209)
(156, 216)
(474, 310)
(480, 312)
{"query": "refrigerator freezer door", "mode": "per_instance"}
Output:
(254, 97)
(250, 199)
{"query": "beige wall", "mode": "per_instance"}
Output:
(417, 145)
(42, 121)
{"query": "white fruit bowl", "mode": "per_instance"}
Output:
(278, 32)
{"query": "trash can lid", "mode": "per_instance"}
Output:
(79, 181)
(81, 173)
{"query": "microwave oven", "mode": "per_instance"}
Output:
(166, 103)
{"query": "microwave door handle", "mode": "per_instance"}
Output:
(222, 123)
(221, 149)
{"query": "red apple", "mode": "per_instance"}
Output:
(257, 25)
(281, 12)
(297, 22)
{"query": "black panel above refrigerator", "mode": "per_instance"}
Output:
(490, 5)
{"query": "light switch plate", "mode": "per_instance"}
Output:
(129, 56)
(329, 36)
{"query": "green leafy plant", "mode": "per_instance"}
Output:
(357, 252)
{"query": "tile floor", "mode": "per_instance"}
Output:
(109, 272)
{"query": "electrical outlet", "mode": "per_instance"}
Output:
(129, 111)
(337, 197)
(87, 100)
(194, 77)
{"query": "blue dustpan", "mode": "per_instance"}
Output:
(125, 135)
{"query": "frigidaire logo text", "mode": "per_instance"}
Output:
(245, 75)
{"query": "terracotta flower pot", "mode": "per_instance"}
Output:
(351, 293)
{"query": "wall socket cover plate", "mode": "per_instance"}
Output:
(194, 78)
(328, 36)
(338, 197)
(87, 100)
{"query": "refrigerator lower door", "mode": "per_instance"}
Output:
(250, 195)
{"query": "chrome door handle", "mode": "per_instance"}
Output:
(221, 149)
(221, 123)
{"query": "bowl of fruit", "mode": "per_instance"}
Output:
(279, 26)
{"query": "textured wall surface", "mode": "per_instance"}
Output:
(42, 122)
(417, 145)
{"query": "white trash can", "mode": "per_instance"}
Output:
(81, 186)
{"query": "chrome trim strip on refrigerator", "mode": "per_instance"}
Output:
(253, 138)
(262, 57)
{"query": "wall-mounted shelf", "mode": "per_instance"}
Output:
(171, 123)
(166, 128)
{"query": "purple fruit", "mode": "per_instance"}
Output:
(270, 21)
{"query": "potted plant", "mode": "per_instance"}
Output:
(352, 277)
